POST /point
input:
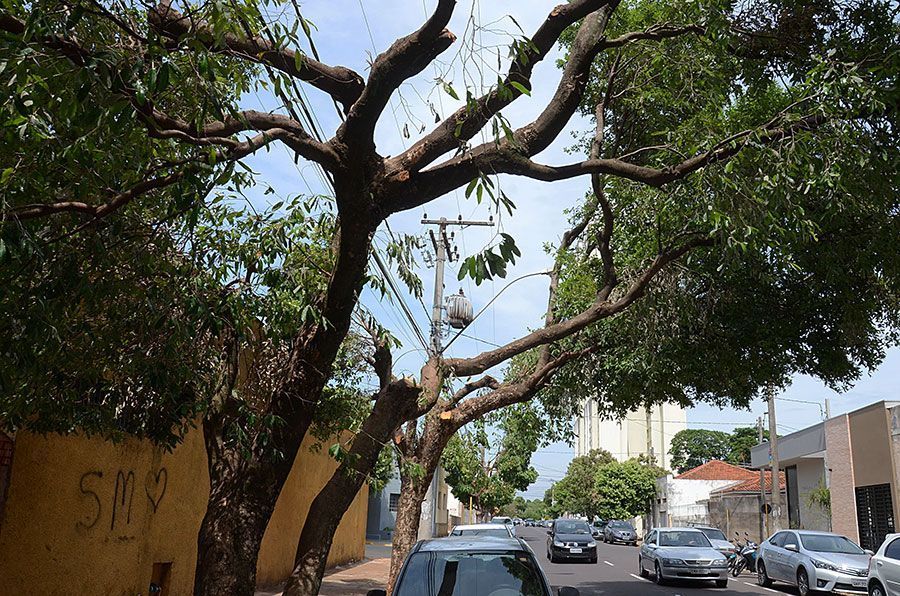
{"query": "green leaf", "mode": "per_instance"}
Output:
(520, 87)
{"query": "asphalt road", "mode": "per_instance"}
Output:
(616, 573)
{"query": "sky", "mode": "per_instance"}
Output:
(351, 33)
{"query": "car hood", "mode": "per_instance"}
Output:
(688, 553)
(573, 537)
(841, 560)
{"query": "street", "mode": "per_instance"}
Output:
(616, 573)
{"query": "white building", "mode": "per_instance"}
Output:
(630, 437)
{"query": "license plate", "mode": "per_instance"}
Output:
(698, 571)
(575, 550)
(858, 583)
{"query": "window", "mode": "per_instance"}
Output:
(470, 574)
(689, 538)
(651, 538)
(893, 550)
(824, 543)
(778, 539)
(394, 501)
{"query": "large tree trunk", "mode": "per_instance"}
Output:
(396, 403)
(243, 493)
(409, 512)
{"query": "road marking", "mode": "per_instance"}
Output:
(608, 563)
(764, 588)
(639, 577)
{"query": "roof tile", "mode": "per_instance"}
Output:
(717, 470)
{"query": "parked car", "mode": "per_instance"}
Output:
(571, 540)
(718, 539)
(619, 531)
(813, 561)
(472, 530)
(472, 567)
(884, 568)
(681, 553)
(597, 528)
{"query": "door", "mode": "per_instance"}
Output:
(790, 560)
(889, 568)
(875, 514)
(774, 558)
(647, 549)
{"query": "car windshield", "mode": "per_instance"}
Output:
(572, 527)
(687, 539)
(470, 574)
(496, 532)
(824, 543)
(618, 525)
(500, 520)
(714, 534)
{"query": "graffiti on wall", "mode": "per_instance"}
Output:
(120, 508)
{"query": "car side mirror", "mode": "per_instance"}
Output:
(377, 592)
(568, 591)
(549, 532)
(791, 547)
(869, 552)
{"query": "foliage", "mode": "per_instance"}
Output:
(576, 491)
(624, 489)
(492, 479)
(820, 497)
(693, 447)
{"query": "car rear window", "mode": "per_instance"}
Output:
(470, 574)
(494, 532)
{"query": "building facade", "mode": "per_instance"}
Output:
(852, 459)
(637, 434)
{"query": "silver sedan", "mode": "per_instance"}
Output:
(681, 553)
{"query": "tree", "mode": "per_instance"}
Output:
(694, 447)
(575, 493)
(173, 79)
(740, 442)
(624, 489)
(491, 480)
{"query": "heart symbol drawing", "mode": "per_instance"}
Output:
(158, 485)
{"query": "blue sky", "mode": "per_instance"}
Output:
(350, 33)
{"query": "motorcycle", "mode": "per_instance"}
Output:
(745, 558)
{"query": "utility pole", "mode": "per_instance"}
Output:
(443, 252)
(649, 431)
(773, 444)
(763, 516)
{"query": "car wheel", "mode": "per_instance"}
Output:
(876, 589)
(721, 583)
(594, 559)
(643, 572)
(660, 580)
(762, 578)
(803, 582)
(552, 557)
(738, 567)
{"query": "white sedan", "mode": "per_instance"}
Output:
(483, 530)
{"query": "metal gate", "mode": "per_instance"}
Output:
(875, 512)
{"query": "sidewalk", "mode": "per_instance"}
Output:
(354, 579)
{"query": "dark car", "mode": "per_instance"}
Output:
(571, 540)
(597, 528)
(472, 567)
(619, 531)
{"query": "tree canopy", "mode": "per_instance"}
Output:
(576, 491)
(624, 490)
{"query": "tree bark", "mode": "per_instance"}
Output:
(242, 497)
(406, 527)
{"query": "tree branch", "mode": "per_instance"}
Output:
(406, 57)
(466, 122)
(341, 83)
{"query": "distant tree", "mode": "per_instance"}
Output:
(575, 492)
(741, 441)
(694, 447)
(624, 489)
(536, 509)
(492, 478)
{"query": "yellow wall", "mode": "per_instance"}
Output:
(85, 516)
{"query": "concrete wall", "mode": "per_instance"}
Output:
(627, 438)
(840, 465)
(86, 516)
(684, 501)
(894, 414)
(739, 512)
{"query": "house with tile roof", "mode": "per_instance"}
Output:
(736, 508)
(682, 500)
